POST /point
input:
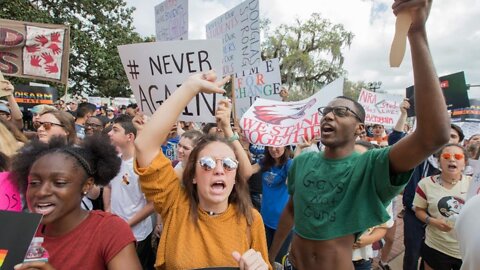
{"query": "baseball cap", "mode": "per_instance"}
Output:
(4, 108)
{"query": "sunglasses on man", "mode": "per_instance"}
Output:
(46, 125)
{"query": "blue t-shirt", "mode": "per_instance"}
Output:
(257, 152)
(275, 194)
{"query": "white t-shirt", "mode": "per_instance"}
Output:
(127, 199)
(444, 204)
(467, 226)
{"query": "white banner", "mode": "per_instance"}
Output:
(156, 69)
(277, 123)
(380, 108)
(475, 184)
(95, 100)
(263, 81)
(171, 20)
(239, 30)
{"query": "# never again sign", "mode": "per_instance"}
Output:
(156, 69)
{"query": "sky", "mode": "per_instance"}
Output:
(453, 32)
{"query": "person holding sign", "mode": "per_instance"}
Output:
(338, 194)
(56, 175)
(218, 228)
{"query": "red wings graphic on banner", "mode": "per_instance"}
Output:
(275, 114)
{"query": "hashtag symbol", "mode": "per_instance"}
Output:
(133, 69)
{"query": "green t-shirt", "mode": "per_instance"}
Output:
(334, 198)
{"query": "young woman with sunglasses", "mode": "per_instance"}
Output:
(54, 177)
(438, 201)
(208, 217)
(56, 123)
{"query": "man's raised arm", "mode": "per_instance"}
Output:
(433, 122)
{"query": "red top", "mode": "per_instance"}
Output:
(91, 245)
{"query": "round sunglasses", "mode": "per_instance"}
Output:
(46, 125)
(209, 163)
(456, 156)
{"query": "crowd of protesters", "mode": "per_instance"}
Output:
(138, 192)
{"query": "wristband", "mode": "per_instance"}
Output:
(234, 137)
(427, 220)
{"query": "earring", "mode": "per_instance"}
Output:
(85, 193)
(194, 181)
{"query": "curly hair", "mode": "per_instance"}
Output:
(240, 195)
(95, 156)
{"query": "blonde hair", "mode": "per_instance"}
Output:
(9, 144)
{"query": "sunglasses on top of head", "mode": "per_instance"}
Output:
(341, 111)
(46, 125)
(456, 156)
(209, 163)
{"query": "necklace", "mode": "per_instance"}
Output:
(441, 181)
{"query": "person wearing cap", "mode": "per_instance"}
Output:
(110, 113)
(13, 114)
(416, 229)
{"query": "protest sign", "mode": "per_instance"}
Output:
(95, 100)
(156, 69)
(239, 30)
(262, 81)
(383, 109)
(18, 229)
(470, 114)
(454, 90)
(277, 123)
(9, 196)
(34, 50)
(29, 96)
(171, 20)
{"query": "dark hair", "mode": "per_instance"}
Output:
(4, 162)
(358, 107)
(101, 119)
(207, 127)
(68, 123)
(193, 135)
(239, 196)
(459, 131)
(367, 145)
(84, 108)
(126, 122)
(132, 105)
(95, 156)
(268, 161)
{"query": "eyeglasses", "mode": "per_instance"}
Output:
(340, 111)
(92, 125)
(46, 125)
(456, 156)
(209, 163)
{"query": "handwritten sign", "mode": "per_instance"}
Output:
(156, 69)
(263, 81)
(239, 30)
(9, 196)
(171, 20)
(383, 109)
(276, 123)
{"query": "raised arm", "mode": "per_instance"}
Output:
(15, 112)
(222, 114)
(155, 131)
(433, 123)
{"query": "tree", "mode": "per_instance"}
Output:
(97, 28)
(310, 52)
(353, 89)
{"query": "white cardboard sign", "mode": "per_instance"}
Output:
(263, 81)
(156, 69)
(239, 30)
(383, 109)
(171, 20)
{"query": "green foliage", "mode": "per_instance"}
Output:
(353, 89)
(310, 53)
(97, 28)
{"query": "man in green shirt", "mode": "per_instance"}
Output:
(337, 194)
